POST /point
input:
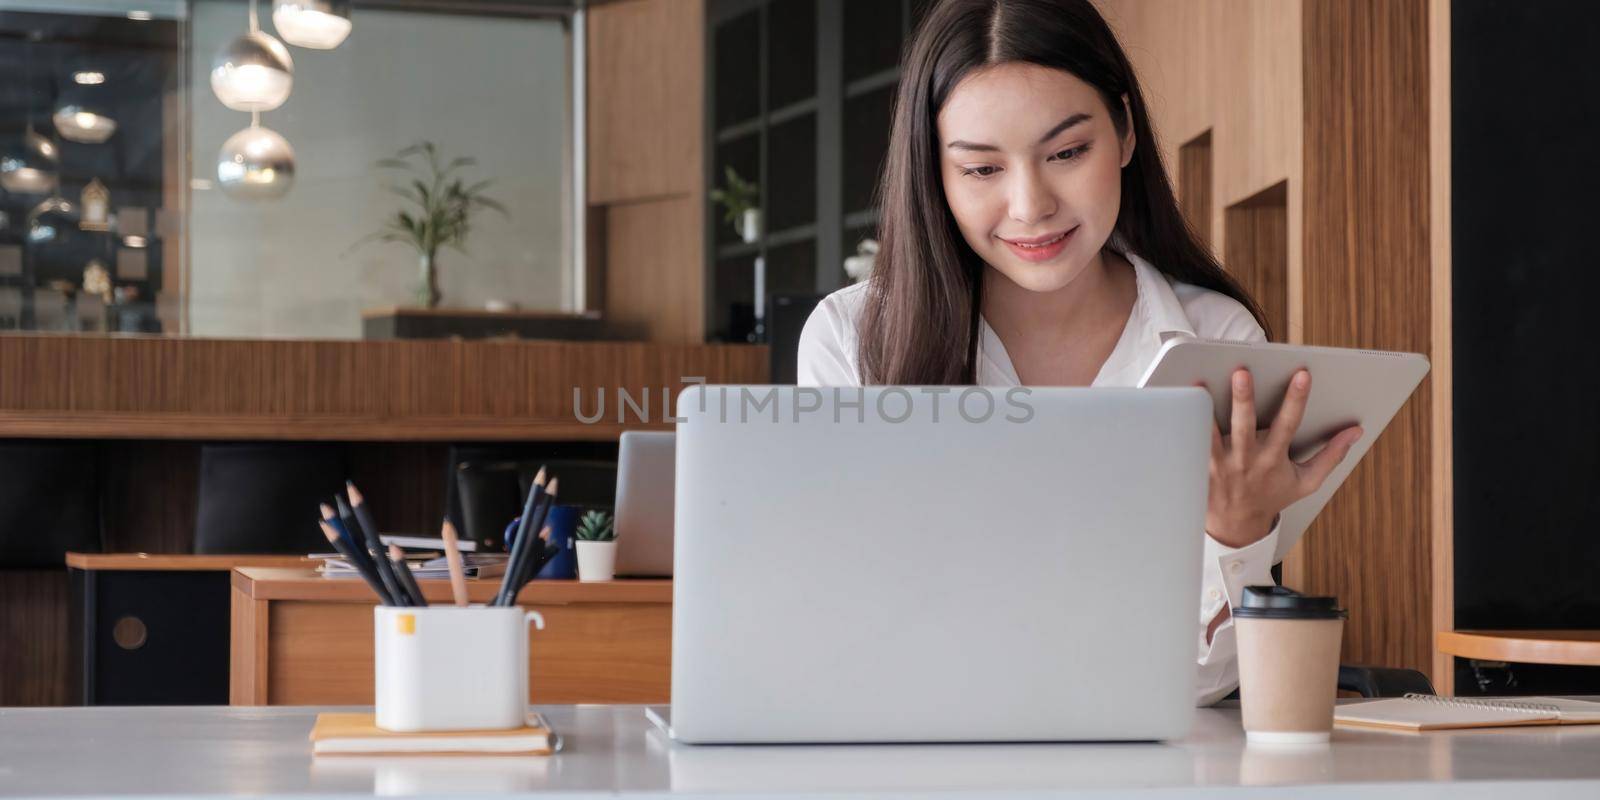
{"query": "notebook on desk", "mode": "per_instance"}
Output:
(359, 734)
(1417, 712)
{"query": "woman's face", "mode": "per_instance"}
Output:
(1032, 170)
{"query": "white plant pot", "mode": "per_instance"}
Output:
(597, 561)
(750, 225)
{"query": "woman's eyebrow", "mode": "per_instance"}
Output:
(1072, 120)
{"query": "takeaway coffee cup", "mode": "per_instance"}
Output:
(1288, 664)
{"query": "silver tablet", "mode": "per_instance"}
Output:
(1348, 387)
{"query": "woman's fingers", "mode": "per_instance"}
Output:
(1315, 470)
(1290, 412)
(1242, 436)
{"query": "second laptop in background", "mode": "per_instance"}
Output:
(644, 506)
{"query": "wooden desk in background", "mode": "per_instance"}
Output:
(301, 639)
(152, 629)
(1568, 647)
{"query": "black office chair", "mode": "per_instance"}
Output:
(1383, 681)
(486, 485)
(262, 498)
(786, 320)
(49, 502)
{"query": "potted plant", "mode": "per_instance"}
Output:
(441, 214)
(597, 547)
(738, 198)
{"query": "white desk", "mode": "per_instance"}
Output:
(612, 749)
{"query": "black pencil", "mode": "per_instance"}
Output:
(385, 573)
(361, 559)
(344, 550)
(402, 570)
(519, 546)
(547, 551)
(525, 567)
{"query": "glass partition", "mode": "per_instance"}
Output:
(293, 169)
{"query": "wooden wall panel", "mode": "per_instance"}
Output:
(645, 94)
(148, 495)
(1367, 284)
(1352, 160)
(1196, 188)
(1231, 68)
(653, 266)
(33, 637)
(646, 139)
(1439, 241)
(1257, 233)
(151, 387)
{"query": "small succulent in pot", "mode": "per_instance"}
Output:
(596, 526)
(597, 547)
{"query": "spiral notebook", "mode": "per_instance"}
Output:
(1425, 712)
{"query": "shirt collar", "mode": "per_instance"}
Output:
(1156, 317)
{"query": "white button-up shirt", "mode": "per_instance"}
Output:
(1163, 309)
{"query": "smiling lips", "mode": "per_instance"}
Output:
(1040, 248)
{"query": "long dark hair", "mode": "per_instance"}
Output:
(919, 324)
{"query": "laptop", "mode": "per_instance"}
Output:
(644, 504)
(936, 564)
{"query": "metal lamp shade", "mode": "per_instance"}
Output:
(77, 123)
(255, 164)
(31, 166)
(316, 24)
(252, 73)
(54, 220)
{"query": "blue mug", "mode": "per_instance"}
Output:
(563, 523)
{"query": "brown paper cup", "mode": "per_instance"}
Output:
(1288, 678)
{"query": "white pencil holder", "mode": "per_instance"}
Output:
(451, 668)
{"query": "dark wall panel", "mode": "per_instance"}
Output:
(1525, 110)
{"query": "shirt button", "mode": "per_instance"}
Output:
(1235, 566)
(1213, 594)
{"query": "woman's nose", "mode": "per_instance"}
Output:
(1031, 200)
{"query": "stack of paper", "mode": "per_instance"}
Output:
(476, 565)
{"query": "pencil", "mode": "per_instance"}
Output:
(402, 570)
(519, 546)
(357, 551)
(344, 550)
(547, 551)
(452, 557)
(525, 569)
(375, 548)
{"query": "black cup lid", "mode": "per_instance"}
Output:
(1277, 602)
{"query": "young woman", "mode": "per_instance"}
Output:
(1029, 236)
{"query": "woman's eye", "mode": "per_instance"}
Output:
(981, 172)
(1071, 153)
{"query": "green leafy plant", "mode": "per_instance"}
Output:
(596, 526)
(440, 211)
(736, 196)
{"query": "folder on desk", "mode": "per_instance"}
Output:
(1416, 712)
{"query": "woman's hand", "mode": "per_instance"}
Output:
(1252, 476)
